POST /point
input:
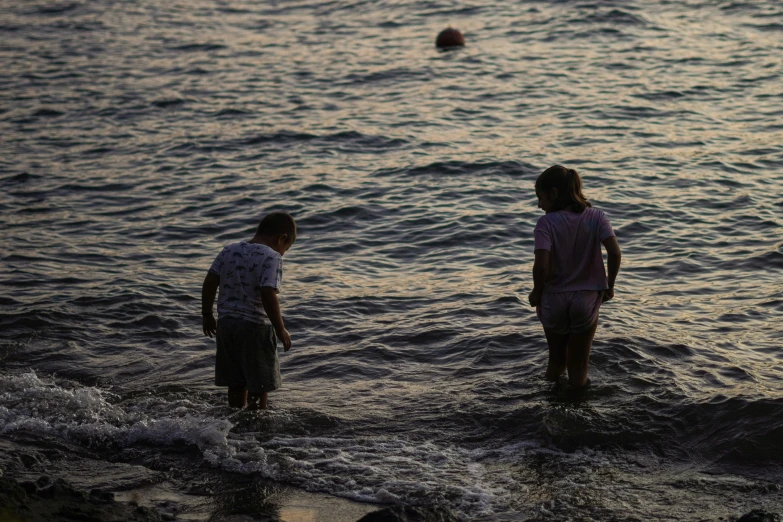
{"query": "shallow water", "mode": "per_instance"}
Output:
(139, 138)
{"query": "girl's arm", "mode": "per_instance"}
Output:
(208, 291)
(614, 256)
(541, 268)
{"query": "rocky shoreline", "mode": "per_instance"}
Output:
(54, 500)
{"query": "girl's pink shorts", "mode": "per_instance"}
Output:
(569, 312)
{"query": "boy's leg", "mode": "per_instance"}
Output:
(237, 396)
(579, 356)
(257, 401)
(261, 366)
(558, 352)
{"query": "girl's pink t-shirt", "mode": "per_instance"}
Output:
(574, 240)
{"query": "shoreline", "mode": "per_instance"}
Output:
(50, 498)
(271, 501)
(41, 477)
(49, 480)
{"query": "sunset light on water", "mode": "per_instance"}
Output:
(140, 138)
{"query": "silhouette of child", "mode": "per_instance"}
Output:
(248, 274)
(569, 280)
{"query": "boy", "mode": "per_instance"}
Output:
(248, 274)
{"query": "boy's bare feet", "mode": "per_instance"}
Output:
(237, 396)
(257, 402)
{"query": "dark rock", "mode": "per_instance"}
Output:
(29, 487)
(81, 513)
(97, 495)
(410, 514)
(49, 500)
(60, 488)
(146, 513)
(28, 460)
(758, 515)
(11, 493)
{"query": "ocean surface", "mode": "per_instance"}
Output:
(139, 137)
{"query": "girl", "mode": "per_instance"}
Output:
(569, 281)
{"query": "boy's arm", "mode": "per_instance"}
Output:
(272, 309)
(208, 291)
(613, 258)
(541, 268)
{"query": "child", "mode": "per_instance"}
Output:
(248, 274)
(569, 281)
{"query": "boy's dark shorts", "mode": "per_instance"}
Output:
(246, 356)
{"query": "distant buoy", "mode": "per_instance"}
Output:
(449, 38)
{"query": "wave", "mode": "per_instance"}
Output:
(351, 139)
(514, 169)
(382, 469)
(285, 445)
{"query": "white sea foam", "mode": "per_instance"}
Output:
(381, 469)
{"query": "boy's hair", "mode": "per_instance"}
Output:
(277, 224)
(568, 185)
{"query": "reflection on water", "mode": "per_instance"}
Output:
(140, 138)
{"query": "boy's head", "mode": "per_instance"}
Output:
(559, 188)
(278, 229)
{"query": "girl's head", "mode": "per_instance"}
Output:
(559, 188)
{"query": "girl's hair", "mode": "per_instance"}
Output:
(568, 185)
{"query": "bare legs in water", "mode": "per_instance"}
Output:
(239, 398)
(572, 352)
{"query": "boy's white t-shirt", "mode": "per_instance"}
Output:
(243, 269)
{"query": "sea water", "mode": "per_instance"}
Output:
(140, 137)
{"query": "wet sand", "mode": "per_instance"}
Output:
(276, 501)
(49, 481)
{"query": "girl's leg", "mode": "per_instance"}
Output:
(558, 353)
(257, 402)
(578, 355)
(237, 396)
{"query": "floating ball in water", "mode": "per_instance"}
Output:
(449, 38)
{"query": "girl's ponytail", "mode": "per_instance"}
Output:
(568, 185)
